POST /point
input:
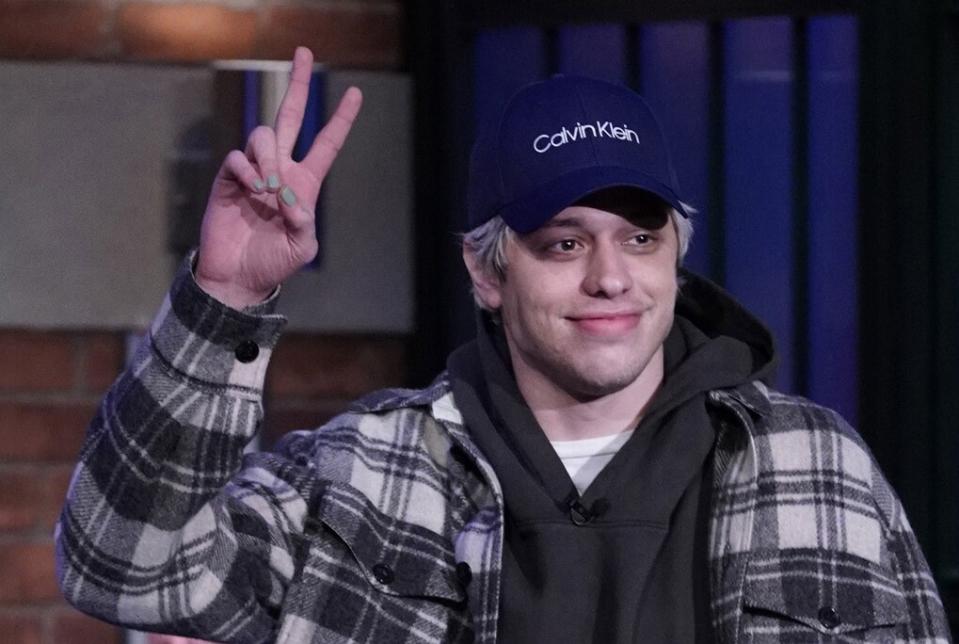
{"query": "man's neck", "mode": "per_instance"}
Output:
(564, 416)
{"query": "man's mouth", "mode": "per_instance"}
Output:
(606, 324)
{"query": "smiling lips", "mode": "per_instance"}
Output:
(606, 324)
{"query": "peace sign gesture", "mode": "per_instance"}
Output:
(258, 228)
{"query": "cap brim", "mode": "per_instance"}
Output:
(529, 212)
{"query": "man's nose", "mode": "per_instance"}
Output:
(607, 273)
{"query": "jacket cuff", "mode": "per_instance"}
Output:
(208, 342)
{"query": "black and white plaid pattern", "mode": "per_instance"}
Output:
(386, 524)
(808, 543)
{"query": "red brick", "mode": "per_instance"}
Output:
(358, 36)
(28, 572)
(42, 432)
(19, 628)
(56, 480)
(104, 353)
(279, 421)
(44, 29)
(184, 31)
(31, 497)
(73, 627)
(21, 494)
(334, 366)
(36, 360)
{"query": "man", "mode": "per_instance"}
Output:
(603, 463)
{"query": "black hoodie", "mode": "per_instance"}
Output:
(624, 561)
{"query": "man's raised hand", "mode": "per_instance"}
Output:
(259, 228)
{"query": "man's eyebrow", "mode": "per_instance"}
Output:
(568, 221)
(641, 222)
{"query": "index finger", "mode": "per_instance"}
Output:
(289, 118)
(331, 138)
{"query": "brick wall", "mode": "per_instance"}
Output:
(313, 377)
(346, 33)
(51, 381)
(49, 386)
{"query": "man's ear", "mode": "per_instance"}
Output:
(486, 284)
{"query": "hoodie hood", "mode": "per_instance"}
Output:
(715, 314)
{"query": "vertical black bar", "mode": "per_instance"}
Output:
(439, 57)
(897, 221)
(800, 214)
(551, 40)
(633, 67)
(717, 160)
(876, 332)
(946, 349)
(948, 272)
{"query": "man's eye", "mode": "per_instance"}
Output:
(565, 245)
(641, 239)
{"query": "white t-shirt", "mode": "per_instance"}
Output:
(585, 458)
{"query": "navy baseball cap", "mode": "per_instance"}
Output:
(560, 140)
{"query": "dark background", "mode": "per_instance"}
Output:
(904, 271)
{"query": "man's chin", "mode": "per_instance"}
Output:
(586, 386)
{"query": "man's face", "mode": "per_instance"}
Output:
(587, 299)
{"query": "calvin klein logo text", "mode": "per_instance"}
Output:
(580, 131)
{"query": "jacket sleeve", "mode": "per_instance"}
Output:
(927, 618)
(165, 527)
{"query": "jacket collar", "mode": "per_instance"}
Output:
(391, 399)
(754, 396)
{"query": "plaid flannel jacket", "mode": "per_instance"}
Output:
(386, 524)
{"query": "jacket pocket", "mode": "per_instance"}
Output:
(831, 592)
(396, 557)
(365, 576)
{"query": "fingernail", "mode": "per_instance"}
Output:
(273, 182)
(288, 196)
(258, 185)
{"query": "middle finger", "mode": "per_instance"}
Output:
(289, 118)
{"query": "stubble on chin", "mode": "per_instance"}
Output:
(585, 379)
